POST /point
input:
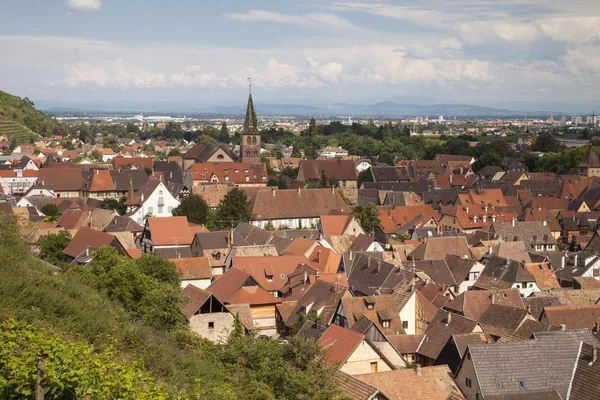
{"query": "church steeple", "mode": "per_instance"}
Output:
(250, 145)
(250, 123)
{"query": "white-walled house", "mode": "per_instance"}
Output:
(362, 165)
(153, 199)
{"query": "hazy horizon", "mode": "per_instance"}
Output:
(470, 52)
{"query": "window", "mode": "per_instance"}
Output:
(269, 278)
(468, 382)
(150, 210)
(498, 383)
(405, 324)
(211, 325)
(374, 366)
(385, 323)
(370, 306)
(161, 209)
(521, 384)
(170, 210)
(596, 272)
(160, 192)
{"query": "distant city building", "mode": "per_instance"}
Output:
(333, 152)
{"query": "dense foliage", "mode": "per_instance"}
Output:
(232, 210)
(92, 317)
(193, 207)
(66, 369)
(368, 216)
(23, 112)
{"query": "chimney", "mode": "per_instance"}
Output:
(575, 259)
(333, 190)
(305, 277)
(419, 372)
(317, 275)
(411, 288)
(450, 178)
(492, 298)
(594, 354)
(513, 222)
(563, 327)
(544, 222)
(350, 256)
(298, 191)
(273, 192)
(490, 250)
(318, 255)
(448, 318)
(467, 209)
(562, 261)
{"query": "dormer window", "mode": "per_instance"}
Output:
(269, 278)
(370, 306)
(385, 323)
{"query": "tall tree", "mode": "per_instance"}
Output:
(232, 210)
(368, 216)
(194, 207)
(224, 133)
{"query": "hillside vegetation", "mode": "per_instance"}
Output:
(88, 325)
(23, 119)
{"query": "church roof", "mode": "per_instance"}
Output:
(250, 119)
(591, 159)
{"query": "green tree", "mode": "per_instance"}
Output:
(232, 210)
(174, 152)
(95, 156)
(194, 207)
(50, 210)
(68, 369)
(159, 268)
(141, 294)
(113, 204)
(365, 176)
(224, 133)
(313, 128)
(52, 245)
(368, 216)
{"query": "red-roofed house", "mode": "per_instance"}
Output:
(238, 288)
(352, 351)
(193, 271)
(239, 174)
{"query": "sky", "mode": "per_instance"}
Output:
(204, 50)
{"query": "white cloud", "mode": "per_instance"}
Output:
(84, 5)
(311, 20)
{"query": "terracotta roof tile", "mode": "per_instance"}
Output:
(87, 238)
(192, 268)
(236, 173)
(434, 383)
(170, 231)
(572, 317)
(196, 297)
(339, 343)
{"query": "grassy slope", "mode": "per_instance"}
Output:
(19, 118)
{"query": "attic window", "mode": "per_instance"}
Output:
(237, 171)
(370, 306)
(211, 325)
(270, 278)
(499, 383)
(385, 323)
(521, 384)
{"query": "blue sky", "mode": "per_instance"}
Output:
(203, 50)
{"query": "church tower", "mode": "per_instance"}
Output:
(590, 165)
(250, 138)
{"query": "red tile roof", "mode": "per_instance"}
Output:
(87, 237)
(192, 268)
(170, 231)
(340, 343)
(229, 172)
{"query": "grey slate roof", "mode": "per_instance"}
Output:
(369, 276)
(541, 365)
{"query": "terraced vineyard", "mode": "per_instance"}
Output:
(13, 129)
(20, 119)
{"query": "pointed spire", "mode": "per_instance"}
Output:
(250, 120)
(130, 195)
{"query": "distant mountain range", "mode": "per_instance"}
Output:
(384, 109)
